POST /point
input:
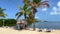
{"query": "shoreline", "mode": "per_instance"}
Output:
(30, 31)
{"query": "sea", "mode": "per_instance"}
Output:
(49, 25)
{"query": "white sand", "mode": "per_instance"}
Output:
(12, 31)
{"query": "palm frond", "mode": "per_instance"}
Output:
(20, 7)
(45, 3)
(2, 13)
(33, 4)
(23, 11)
(34, 10)
(26, 1)
(36, 1)
(28, 12)
(19, 15)
(25, 6)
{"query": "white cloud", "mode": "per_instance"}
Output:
(37, 17)
(55, 11)
(44, 9)
(58, 4)
(55, 8)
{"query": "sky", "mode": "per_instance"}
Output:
(50, 14)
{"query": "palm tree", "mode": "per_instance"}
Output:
(27, 11)
(30, 21)
(2, 14)
(35, 4)
(24, 11)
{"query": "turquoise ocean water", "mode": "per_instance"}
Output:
(50, 25)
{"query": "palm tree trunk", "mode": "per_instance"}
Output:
(34, 11)
(34, 24)
(25, 15)
(25, 18)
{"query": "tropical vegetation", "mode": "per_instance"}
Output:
(8, 22)
(30, 8)
(2, 14)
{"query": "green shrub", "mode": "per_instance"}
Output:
(8, 22)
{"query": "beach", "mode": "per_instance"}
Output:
(30, 31)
